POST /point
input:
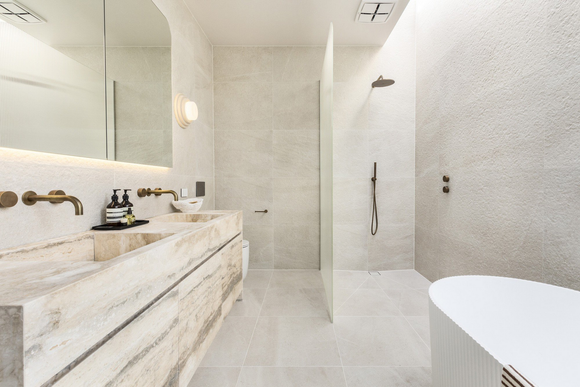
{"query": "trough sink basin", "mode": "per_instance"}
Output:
(188, 218)
(88, 246)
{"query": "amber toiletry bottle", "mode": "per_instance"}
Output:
(115, 211)
(126, 204)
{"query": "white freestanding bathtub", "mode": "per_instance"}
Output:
(481, 324)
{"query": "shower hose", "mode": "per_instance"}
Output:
(375, 214)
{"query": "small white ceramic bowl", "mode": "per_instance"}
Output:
(188, 206)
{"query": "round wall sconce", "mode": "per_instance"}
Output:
(185, 110)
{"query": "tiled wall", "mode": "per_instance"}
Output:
(375, 125)
(92, 180)
(497, 109)
(267, 149)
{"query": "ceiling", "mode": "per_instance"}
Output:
(80, 23)
(289, 22)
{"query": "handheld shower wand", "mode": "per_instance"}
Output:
(375, 214)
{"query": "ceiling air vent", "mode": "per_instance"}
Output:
(374, 12)
(14, 12)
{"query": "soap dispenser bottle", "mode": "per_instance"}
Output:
(126, 204)
(115, 211)
(130, 217)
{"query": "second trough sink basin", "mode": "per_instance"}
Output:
(89, 246)
(189, 218)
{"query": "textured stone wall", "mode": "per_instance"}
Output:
(498, 110)
(92, 180)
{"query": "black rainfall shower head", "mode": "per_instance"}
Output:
(382, 82)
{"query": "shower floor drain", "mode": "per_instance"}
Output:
(374, 273)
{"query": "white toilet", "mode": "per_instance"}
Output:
(245, 257)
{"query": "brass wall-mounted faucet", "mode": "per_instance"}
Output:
(56, 196)
(142, 192)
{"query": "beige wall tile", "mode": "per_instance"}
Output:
(261, 240)
(350, 110)
(392, 248)
(296, 153)
(243, 106)
(352, 201)
(296, 105)
(243, 153)
(394, 152)
(296, 201)
(274, 92)
(351, 154)
(247, 194)
(242, 64)
(351, 246)
(296, 63)
(296, 247)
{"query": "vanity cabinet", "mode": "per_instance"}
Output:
(165, 344)
(145, 316)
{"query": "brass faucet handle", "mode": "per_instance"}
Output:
(158, 189)
(142, 192)
(8, 199)
(27, 198)
(55, 192)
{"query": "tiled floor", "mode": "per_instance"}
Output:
(280, 334)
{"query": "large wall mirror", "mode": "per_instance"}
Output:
(87, 78)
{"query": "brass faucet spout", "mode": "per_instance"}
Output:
(57, 196)
(142, 192)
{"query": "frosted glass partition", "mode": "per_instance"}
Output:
(326, 172)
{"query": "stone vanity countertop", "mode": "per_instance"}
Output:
(25, 278)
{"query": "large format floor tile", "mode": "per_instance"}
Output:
(231, 343)
(421, 325)
(250, 304)
(280, 334)
(388, 376)
(292, 377)
(295, 302)
(257, 279)
(350, 279)
(368, 302)
(297, 279)
(215, 377)
(410, 301)
(380, 341)
(293, 341)
(408, 278)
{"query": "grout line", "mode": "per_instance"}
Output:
(339, 354)
(402, 314)
(417, 333)
(349, 297)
